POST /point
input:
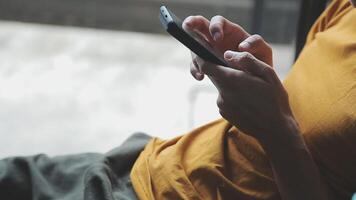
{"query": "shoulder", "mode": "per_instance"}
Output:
(335, 11)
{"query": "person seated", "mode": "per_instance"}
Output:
(290, 140)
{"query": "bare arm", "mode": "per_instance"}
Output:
(295, 171)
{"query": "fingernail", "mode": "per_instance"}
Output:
(244, 45)
(217, 36)
(229, 55)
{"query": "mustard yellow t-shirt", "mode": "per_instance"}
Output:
(217, 161)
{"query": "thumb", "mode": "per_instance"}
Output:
(245, 61)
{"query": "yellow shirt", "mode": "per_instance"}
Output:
(217, 161)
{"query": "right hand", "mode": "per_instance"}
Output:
(224, 35)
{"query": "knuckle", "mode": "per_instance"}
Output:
(245, 56)
(258, 41)
(199, 17)
(257, 38)
(218, 18)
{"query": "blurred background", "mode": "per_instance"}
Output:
(82, 75)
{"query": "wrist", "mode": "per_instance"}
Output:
(284, 136)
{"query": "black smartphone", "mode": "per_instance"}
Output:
(193, 41)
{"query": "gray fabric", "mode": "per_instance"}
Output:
(90, 176)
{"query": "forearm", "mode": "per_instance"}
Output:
(296, 173)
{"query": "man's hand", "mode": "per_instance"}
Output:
(251, 96)
(224, 35)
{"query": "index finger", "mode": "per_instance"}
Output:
(198, 24)
(221, 27)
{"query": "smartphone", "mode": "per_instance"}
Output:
(193, 41)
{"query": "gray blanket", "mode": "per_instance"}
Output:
(90, 176)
